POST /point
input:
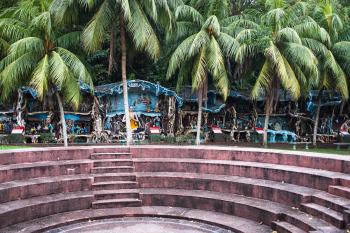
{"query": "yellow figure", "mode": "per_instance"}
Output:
(134, 120)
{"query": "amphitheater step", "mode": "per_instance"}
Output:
(44, 169)
(28, 209)
(113, 162)
(124, 155)
(114, 185)
(307, 177)
(23, 189)
(285, 227)
(117, 169)
(331, 201)
(114, 177)
(233, 223)
(329, 215)
(340, 191)
(116, 203)
(251, 208)
(116, 194)
(283, 193)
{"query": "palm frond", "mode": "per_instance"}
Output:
(26, 45)
(216, 66)
(13, 74)
(75, 65)
(98, 27)
(282, 68)
(199, 72)
(200, 40)
(188, 13)
(179, 56)
(71, 40)
(142, 32)
(228, 44)
(263, 82)
(40, 77)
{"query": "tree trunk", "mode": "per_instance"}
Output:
(125, 84)
(317, 119)
(229, 70)
(111, 51)
(342, 107)
(20, 108)
(63, 120)
(268, 110)
(199, 118)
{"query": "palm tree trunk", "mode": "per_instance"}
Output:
(63, 120)
(199, 118)
(125, 84)
(111, 51)
(268, 110)
(317, 119)
(342, 107)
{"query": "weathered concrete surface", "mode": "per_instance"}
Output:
(257, 185)
(140, 225)
(233, 223)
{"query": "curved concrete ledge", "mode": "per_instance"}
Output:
(287, 191)
(284, 193)
(322, 161)
(24, 189)
(233, 223)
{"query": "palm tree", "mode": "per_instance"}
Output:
(42, 59)
(287, 62)
(14, 23)
(133, 18)
(203, 48)
(332, 49)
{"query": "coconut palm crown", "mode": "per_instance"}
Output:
(288, 63)
(203, 48)
(332, 48)
(42, 59)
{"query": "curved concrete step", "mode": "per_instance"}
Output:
(340, 191)
(283, 193)
(116, 194)
(111, 155)
(114, 177)
(233, 223)
(331, 216)
(25, 171)
(284, 227)
(23, 189)
(114, 185)
(251, 208)
(114, 169)
(300, 159)
(28, 209)
(307, 177)
(116, 203)
(113, 162)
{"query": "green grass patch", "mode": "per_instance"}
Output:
(2, 147)
(321, 150)
(330, 151)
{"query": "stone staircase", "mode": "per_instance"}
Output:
(115, 183)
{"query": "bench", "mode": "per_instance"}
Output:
(340, 144)
(295, 144)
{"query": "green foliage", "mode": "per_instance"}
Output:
(15, 139)
(296, 45)
(47, 138)
(39, 55)
(204, 48)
